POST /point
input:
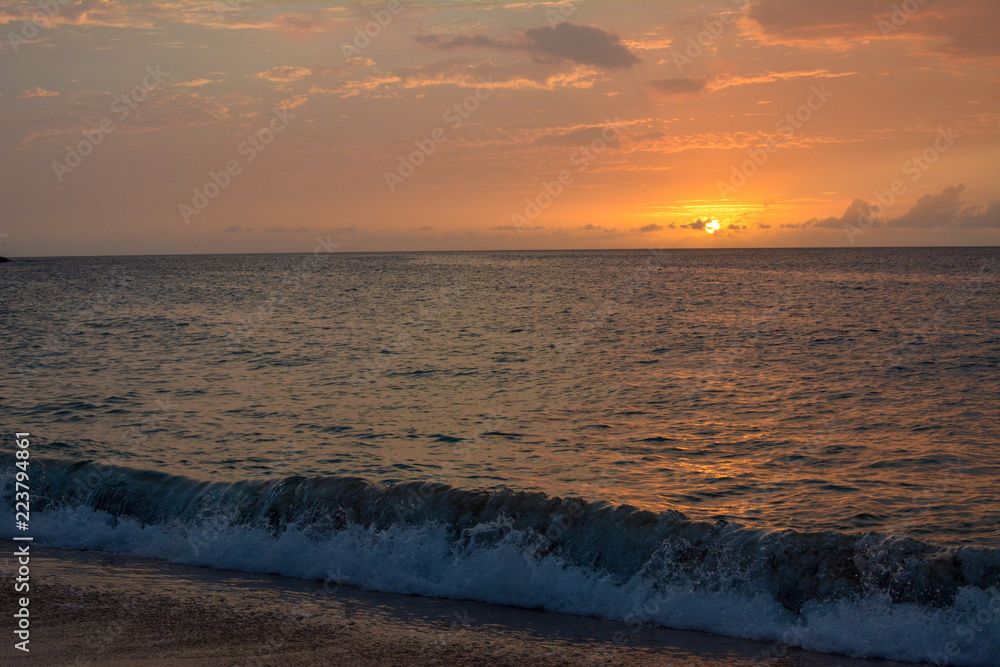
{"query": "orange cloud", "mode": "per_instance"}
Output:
(284, 73)
(36, 92)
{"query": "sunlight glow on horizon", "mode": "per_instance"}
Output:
(452, 126)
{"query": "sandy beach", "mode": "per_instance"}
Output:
(90, 608)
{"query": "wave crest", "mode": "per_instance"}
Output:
(532, 550)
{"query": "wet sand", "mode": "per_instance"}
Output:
(89, 608)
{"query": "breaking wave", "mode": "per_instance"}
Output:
(863, 595)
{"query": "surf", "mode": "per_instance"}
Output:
(857, 594)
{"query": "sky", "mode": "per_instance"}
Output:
(268, 126)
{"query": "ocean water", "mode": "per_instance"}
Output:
(788, 445)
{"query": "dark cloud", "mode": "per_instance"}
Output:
(597, 228)
(973, 216)
(933, 210)
(564, 41)
(804, 19)
(858, 210)
(581, 44)
(684, 85)
(963, 28)
(650, 228)
(697, 224)
(943, 210)
(947, 210)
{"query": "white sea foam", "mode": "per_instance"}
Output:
(510, 568)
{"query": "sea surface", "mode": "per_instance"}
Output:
(799, 446)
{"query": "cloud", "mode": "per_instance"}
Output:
(292, 102)
(943, 210)
(169, 108)
(478, 41)
(947, 210)
(228, 14)
(808, 19)
(91, 11)
(933, 210)
(596, 228)
(684, 85)
(729, 80)
(580, 136)
(583, 45)
(974, 216)
(697, 224)
(650, 228)
(285, 73)
(36, 92)
(482, 75)
(306, 23)
(288, 230)
(237, 229)
(961, 28)
(858, 210)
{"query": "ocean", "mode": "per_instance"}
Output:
(791, 445)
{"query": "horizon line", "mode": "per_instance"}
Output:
(507, 250)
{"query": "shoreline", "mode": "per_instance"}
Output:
(96, 608)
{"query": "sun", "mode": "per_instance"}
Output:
(712, 226)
